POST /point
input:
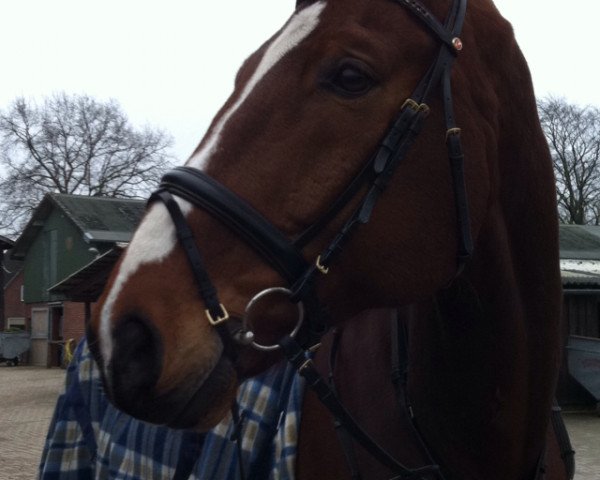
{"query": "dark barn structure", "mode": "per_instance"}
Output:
(580, 272)
(65, 235)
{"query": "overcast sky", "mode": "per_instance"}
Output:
(171, 63)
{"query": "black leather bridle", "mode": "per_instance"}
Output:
(285, 255)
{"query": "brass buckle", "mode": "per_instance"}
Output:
(320, 267)
(220, 318)
(410, 103)
(452, 131)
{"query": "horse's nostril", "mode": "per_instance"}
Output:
(136, 361)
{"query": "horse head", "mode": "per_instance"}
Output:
(311, 112)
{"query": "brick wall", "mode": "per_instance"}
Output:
(13, 306)
(72, 327)
(73, 324)
(73, 321)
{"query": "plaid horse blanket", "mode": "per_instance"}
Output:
(88, 438)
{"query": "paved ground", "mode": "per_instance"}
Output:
(27, 398)
(28, 394)
(584, 430)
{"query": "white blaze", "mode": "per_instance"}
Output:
(155, 237)
(296, 30)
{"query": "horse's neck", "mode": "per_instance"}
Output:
(483, 365)
(469, 387)
(477, 383)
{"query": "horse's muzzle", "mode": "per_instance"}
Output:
(133, 373)
(136, 363)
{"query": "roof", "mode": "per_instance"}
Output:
(10, 268)
(580, 242)
(86, 284)
(100, 219)
(580, 273)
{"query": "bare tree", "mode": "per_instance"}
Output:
(573, 134)
(76, 145)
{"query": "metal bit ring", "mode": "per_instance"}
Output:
(247, 326)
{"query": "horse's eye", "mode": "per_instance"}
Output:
(349, 79)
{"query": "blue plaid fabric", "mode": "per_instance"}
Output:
(90, 439)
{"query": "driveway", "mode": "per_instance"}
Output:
(584, 430)
(27, 398)
(28, 395)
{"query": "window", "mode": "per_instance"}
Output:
(15, 323)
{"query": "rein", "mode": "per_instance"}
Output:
(285, 256)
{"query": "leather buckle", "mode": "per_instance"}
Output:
(453, 131)
(410, 103)
(320, 267)
(424, 109)
(221, 318)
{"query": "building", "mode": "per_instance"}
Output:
(65, 234)
(15, 312)
(8, 270)
(580, 272)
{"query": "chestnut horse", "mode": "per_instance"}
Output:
(360, 208)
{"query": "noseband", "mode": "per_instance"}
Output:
(285, 255)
